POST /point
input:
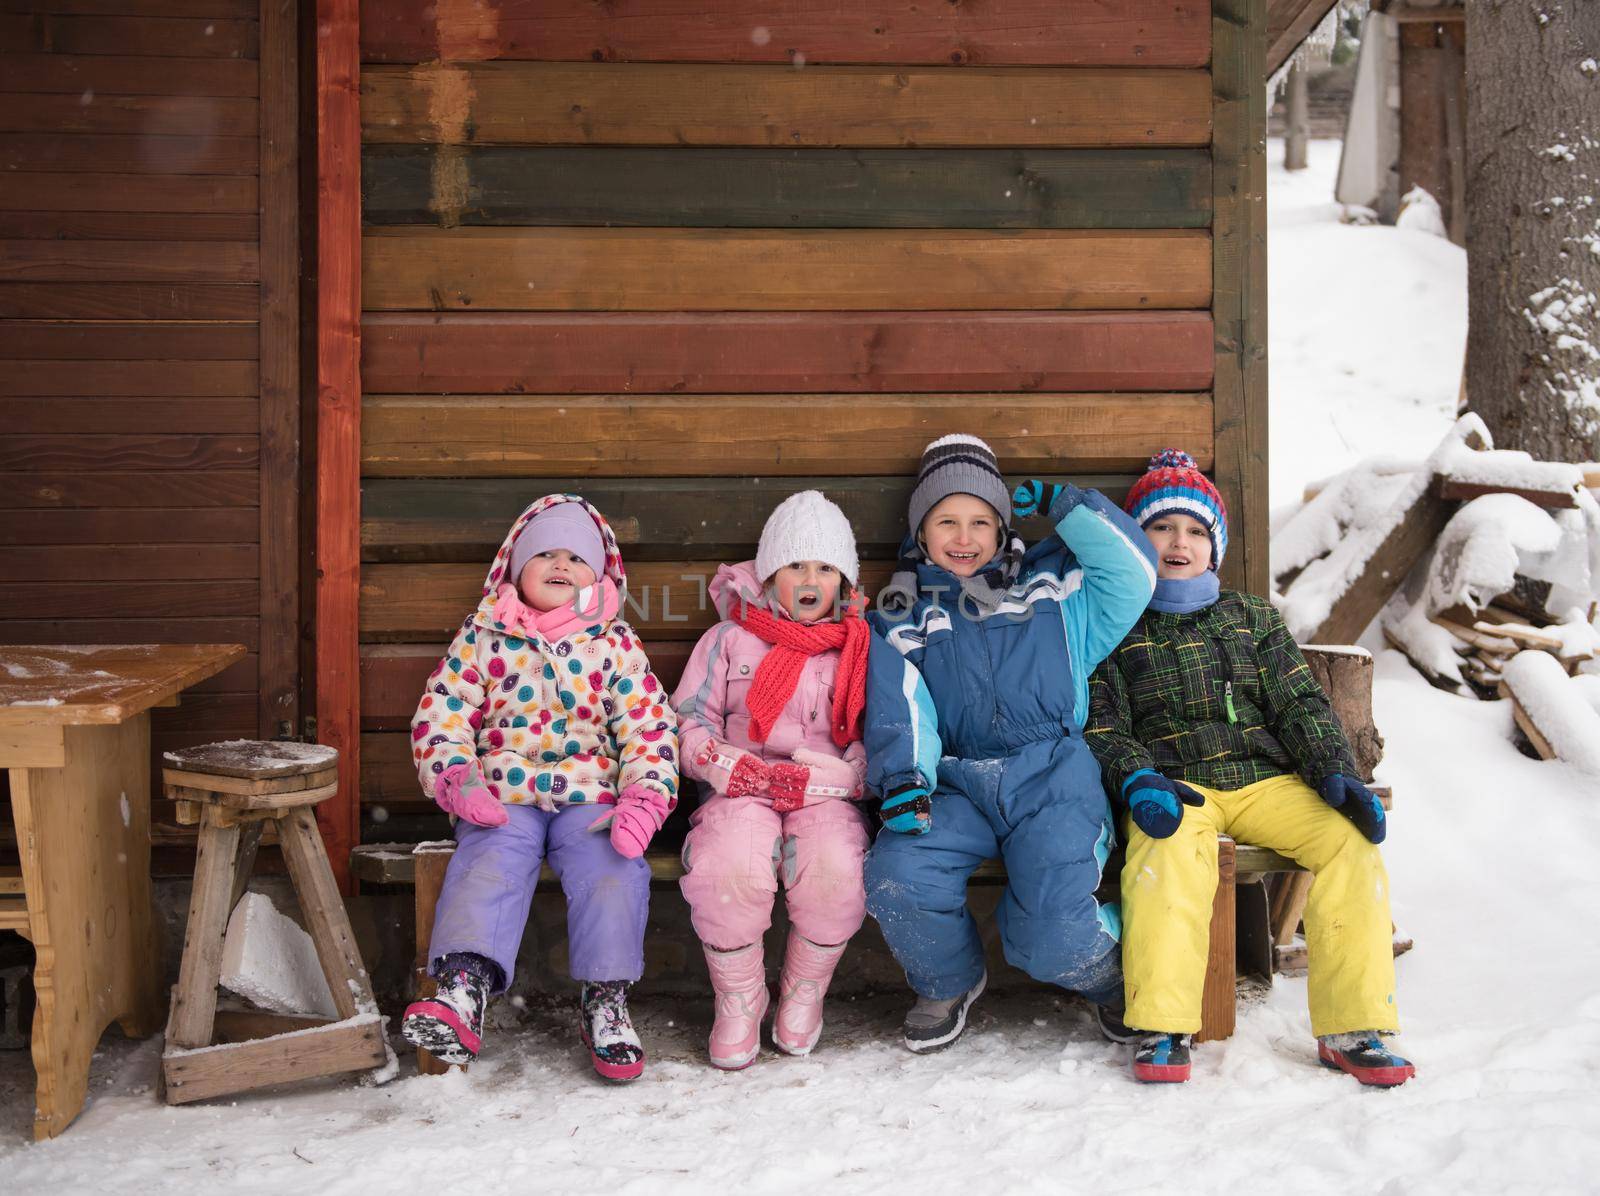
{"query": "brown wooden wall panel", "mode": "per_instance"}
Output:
(244, 10)
(131, 562)
(28, 453)
(193, 629)
(147, 378)
(770, 352)
(465, 519)
(102, 34)
(66, 600)
(145, 116)
(88, 192)
(128, 300)
(132, 155)
(666, 600)
(658, 269)
(123, 414)
(129, 226)
(760, 187)
(109, 525)
(557, 103)
(185, 488)
(128, 261)
(128, 339)
(112, 75)
(629, 436)
(1032, 32)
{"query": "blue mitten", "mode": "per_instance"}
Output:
(1153, 800)
(1357, 803)
(1044, 498)
(908, 811)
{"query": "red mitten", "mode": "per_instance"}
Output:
(749, 778)
(788, 786)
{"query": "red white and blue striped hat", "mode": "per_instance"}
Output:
(1174, 485)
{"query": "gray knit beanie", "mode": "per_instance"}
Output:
(958, 465)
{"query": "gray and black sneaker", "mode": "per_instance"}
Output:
(932, 1025)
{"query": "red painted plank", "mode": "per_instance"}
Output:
(338, 453)
(982, 32)
(785, 352)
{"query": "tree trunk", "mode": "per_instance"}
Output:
(1533, 226)
(1297, 119)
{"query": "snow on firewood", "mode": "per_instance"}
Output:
(1558, 707)
(1311, 596)
(1483, 548)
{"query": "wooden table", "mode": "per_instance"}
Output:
(75, 737)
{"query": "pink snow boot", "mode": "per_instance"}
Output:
(807, 969)
(739, 979)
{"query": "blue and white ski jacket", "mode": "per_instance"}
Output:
(946, 679)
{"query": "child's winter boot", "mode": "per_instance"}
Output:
(449, 1024)
(1162, 1059)
(608, 1032)
(1365, 1057)
(932, 1025)
(739, 979)
(807, 969)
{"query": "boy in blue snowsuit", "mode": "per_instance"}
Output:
(977, 693)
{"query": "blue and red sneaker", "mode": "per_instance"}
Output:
(1162, 1059)
(1366, 1058)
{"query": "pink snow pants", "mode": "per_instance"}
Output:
(738, 850)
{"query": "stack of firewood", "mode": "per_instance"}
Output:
(1487, 640)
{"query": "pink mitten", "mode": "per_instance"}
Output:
(831, 777)
(732, 771)
(634, 820)
(460, 790)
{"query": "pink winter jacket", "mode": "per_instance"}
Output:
(710, 699)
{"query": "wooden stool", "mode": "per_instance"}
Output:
(235, 791)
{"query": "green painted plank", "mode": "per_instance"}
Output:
(786, 188)
(464, 519)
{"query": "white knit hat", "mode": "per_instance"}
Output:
(807, 527)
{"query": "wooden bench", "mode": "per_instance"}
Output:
(423, 866)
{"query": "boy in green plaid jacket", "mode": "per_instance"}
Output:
(1207, 721)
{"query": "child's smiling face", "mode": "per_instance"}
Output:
(1182, 544)
(808, 590)
(961, 534)
(552, 579)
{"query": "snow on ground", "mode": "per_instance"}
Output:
(1367, 330)
(1491, 857)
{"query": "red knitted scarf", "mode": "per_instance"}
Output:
(779, 671)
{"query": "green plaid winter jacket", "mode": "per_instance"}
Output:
(1161, 701)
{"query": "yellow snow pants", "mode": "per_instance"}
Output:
(1168, 886)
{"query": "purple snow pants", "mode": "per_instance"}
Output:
(488, 888)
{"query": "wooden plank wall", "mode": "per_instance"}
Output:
(148, 317)
(688, 264)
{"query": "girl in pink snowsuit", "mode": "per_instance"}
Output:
(769, 713)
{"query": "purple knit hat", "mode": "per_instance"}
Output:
(565, 525)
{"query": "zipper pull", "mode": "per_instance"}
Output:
(1227, 701)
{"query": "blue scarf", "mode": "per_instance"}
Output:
(1185, 595)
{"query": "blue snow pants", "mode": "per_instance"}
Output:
(1043, 811)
